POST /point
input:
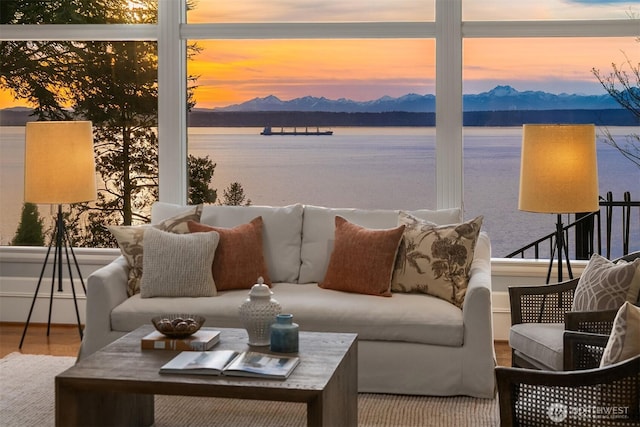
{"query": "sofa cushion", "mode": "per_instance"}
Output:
(319, 226)
(414, 318)
(624, 341)
(131, 240)
(282, 231)
(362, 259)
(436, 259)
(239, 261)
(606, 285)
(178, 265)
(542, 342)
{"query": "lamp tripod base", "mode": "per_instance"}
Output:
(559, 249)
(61, 239)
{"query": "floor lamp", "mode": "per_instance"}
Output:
(559, 175)
(59, 169)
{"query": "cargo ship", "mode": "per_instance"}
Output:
(269, 131)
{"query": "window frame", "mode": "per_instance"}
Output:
(171, 33)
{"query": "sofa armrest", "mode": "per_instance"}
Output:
(106, 289)
(477, 301)
(479, 360)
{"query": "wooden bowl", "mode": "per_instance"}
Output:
(178, 325)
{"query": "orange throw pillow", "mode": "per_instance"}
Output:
(362, 260)
(239, 258)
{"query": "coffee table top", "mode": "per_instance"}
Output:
(123, 367)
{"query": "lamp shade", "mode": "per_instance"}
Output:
(559, 169)
(59, 162)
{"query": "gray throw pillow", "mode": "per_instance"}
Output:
(605, 285)
(131, 241)
(178, 265)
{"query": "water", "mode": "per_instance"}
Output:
(386, 168)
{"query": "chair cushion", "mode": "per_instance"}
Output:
(412, 318)
(541, 342)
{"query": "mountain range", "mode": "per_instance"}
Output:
(501, 106)
(500, 98)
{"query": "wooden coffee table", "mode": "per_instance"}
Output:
(116, 385)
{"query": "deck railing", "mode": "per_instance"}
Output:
(585, 235)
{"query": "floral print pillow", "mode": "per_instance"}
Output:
(435, 259)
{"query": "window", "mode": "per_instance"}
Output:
(511, 81)
(50, 73)
(311, 11)
(438, 32)
(506, 10)
(352, 88)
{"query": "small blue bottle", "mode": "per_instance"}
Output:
(284, 334)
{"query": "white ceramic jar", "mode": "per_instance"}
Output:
(258, 313)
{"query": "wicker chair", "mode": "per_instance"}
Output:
(608, 396)
(548, 309)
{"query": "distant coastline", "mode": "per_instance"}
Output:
(209, 118)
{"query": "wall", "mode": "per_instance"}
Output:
(20, 268)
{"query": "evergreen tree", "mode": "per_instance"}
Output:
(113, 84)
(29, 231)
(201, 171)
(234, 195)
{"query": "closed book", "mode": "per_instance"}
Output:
(201, 340)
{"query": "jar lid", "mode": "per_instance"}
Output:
(260, 289)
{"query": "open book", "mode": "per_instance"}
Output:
(232, 363)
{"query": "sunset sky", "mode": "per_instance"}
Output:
(235, 71)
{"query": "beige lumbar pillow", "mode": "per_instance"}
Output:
(178, 265)
(624, 341)
(435, 259)
(605, 285)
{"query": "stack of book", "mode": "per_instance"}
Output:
(203, 339)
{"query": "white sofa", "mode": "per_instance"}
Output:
(407, 344)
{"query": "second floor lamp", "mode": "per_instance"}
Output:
(59, 169)
(559, 175)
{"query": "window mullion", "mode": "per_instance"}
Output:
(449, 172)
(172, 104)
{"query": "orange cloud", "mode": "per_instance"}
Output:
(357, 69)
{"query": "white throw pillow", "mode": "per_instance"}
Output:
(318, 232)
(178, 265)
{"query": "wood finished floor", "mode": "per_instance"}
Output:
(64, 340)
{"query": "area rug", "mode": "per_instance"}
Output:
(27, 399)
